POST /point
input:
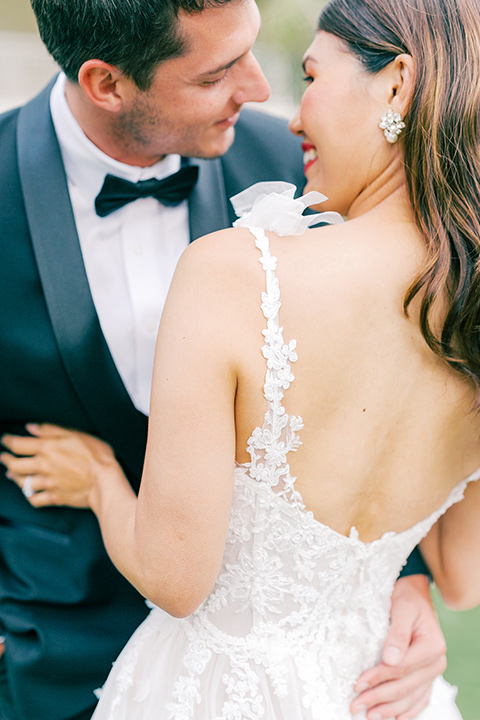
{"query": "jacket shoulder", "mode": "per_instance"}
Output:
(36, 108)
(8, 124)
(8, 152)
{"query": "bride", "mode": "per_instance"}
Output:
(337, 370)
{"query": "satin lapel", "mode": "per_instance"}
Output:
(208, 209)
(80, 340)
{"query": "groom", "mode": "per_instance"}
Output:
(87, 254)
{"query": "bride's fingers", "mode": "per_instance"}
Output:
(44, 440)
(29, 483)
(19, 466)
(48, 496)
(20, 444)
(44, 492)
(44, 498)
(47, 430)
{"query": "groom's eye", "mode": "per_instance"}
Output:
(217, 81)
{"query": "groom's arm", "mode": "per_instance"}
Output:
(416, 565)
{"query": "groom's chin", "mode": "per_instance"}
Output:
(219, 146)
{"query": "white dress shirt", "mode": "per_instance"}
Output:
(129, 256)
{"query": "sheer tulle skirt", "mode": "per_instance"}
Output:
(144, 685)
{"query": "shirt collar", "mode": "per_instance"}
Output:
(85, 164)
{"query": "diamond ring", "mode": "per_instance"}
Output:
(27, 488)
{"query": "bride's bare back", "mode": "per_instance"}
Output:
(388, 427)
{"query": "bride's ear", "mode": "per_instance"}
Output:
(402, 76)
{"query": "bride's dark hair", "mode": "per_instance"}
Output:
(441, 147)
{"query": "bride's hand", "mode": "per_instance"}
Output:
(56, 466)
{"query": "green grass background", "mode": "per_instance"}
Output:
(462, 633)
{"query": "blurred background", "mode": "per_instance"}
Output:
(287, 30)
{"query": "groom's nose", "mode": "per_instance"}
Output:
(252, 83)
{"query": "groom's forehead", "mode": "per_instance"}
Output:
(217, 37)
(215, 25)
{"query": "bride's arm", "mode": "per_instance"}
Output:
(452, 551)
(169, 543)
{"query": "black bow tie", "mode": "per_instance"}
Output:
(170, 191)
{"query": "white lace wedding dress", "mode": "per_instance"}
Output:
(298, 610)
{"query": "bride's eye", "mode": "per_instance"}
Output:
(307, 79)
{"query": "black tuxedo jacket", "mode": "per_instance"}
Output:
(65, 610)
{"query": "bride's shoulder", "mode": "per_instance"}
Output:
(362, 251)
(217, 269)
(222, 241)
(230, 250)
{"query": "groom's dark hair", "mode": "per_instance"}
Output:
(133, 35)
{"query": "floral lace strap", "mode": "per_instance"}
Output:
(272, 206)
(277, 353)
(268, 446)
(271, 297)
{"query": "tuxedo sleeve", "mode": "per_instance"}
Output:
(416, 565)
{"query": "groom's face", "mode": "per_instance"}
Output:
(194, 100)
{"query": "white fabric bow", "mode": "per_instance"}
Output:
(272, 206)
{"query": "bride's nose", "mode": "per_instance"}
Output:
(295, 124)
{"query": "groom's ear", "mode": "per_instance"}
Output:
(104, 84)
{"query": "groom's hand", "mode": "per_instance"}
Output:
(413, 656)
